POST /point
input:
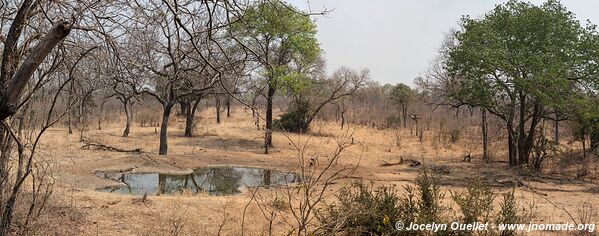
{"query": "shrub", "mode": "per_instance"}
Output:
(455, 135)
(508, 213)
(361, 210)
(429, 204)
(392, 121)
(476, 203)
(296, 118)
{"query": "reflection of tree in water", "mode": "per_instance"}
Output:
(216, 181)
(119, 178)
(266, 178)
(219, 180)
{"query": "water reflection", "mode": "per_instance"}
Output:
(215, 181)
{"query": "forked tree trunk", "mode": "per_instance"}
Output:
(164, 129)
(184, 106)
(190, 115)
(521, 130)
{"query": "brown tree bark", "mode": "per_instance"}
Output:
(190, 115)
(269, 98)
(404, 111)
(556, 138)
(127, 105)
(217, 106)
(9, 98)
(228, 104)
(485, 135)
(163, 150)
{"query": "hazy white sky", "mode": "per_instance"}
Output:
(397, 39)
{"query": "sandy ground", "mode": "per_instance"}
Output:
(237, 142)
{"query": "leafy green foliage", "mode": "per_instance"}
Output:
(476, 203)
(454, 135)
(283, 39)
(402, 94)
(362, 210)
(296, 119)
(429, 205)
(519, 47)
(587, 121)
(518, 62)
(508, 213)
(392, 121)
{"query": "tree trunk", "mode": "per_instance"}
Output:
(128, 117)
(556, 138)
(485, 136)
(266, 179)
(525, 140)
(184, 106)
(513, 158)
(101, 114)
(164, 129)
(11, 96)
(69, 122)
(342, 118)
(217, 105)
(404, 111)
(188, 122)
(254, 106)
(521, 130)
(584, 149)
(269, 98)
(191, 110)
(228, 104)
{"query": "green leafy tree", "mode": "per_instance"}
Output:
(516, 62)
(586, 122)
(403, 95)
(282, 40)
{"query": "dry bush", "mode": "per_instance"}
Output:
(56, 218)
(317, 173)
(169, 221)
(476, 203)
(38, 212)
(587, 214)
(148, 118)
(361, 209)
(364, 210)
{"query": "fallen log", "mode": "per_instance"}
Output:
(409, 162)
(89, 143)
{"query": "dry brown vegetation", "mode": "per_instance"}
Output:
(503, 125)
(551, 196)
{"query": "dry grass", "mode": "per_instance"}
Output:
(236, 142)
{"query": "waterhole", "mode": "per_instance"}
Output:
(211, 180)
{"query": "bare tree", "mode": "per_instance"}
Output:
(33, 29)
